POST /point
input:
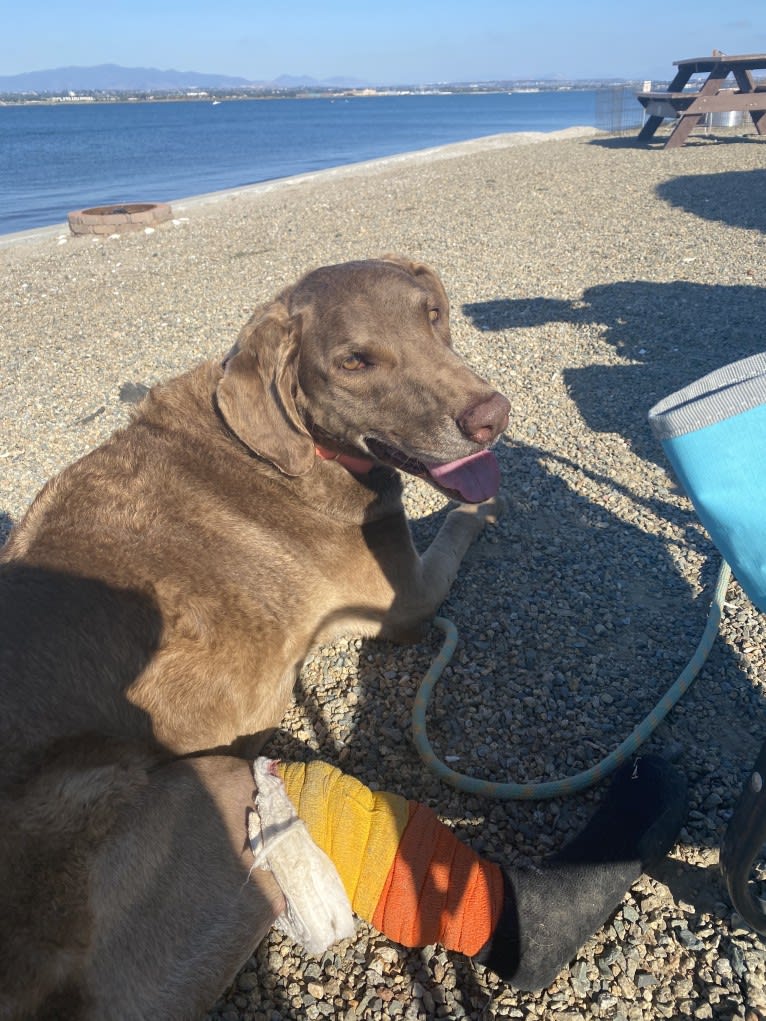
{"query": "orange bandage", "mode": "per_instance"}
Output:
(438, 890)
(403, 869)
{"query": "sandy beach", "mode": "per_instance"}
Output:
(589, 278)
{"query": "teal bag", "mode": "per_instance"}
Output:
(714, 435)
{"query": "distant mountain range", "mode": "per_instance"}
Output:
(113, 78)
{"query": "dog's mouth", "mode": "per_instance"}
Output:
(471, 479)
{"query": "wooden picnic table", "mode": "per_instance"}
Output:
(689, 106)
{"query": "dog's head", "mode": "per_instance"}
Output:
(358, 358)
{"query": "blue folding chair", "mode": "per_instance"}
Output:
(714, 435)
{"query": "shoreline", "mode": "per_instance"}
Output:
(234, 95)
(452, 149)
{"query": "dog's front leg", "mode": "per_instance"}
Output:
(422, 583)
(441, 561)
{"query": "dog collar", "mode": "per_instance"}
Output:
(356, 465)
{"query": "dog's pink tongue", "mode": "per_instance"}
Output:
(474, 478)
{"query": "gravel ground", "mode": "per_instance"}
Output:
(589, 277)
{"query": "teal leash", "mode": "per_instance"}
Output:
(587, 778)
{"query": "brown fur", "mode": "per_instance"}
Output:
(156, 603)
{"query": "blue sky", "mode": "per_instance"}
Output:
(391, 41)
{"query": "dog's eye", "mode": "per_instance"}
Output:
(434, 315)
(354, 362)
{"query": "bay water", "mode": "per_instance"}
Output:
(55, 158)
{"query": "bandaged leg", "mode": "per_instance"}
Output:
(408, 875)
(317, 911)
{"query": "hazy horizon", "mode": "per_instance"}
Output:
(450, 41)
(88, 75)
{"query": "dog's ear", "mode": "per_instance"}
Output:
(256, 394)
(428, 277)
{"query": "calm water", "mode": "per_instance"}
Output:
(57, 158)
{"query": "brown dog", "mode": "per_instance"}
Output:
(157, 601)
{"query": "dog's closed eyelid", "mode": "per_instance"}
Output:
(434, 314)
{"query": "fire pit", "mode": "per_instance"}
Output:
(118, 219)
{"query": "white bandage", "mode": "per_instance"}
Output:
(318, 911)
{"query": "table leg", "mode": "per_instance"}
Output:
(682, 130)
(687, 121)
(747, 84)
(650, 126)
(682, 76)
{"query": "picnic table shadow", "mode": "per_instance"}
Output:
(734, 197)
(669, 334)
(698, 139)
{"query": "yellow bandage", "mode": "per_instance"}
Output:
(359, 829)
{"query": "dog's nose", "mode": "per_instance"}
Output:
(484, 421)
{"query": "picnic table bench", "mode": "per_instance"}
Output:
(687, 107)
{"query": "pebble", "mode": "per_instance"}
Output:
(567, 263)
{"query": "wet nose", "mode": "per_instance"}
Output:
(483, 421)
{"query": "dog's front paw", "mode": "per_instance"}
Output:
(493, 509)
(488, 512)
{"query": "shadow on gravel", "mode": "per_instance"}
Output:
(6, 524)
(572, 624)
(734, 197)
(672, 333)
(658, 141)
